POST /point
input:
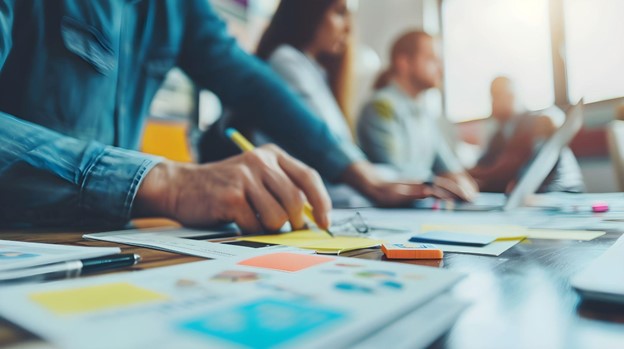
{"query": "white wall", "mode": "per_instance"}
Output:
(598, 175)
(377, 24)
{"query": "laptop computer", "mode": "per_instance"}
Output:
(541, 165)
(603, 279)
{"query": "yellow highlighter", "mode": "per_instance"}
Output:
(245, 145)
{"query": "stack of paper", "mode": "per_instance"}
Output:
(26, 258)
(285, 300)
(177, 240)
(507, 228)
(182, 240)
(504, 237)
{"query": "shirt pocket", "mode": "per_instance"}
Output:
(89, 44)
(159, 62)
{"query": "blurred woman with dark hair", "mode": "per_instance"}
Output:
(308, 43)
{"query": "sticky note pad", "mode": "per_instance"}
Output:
(449, 238)
(316, 240)
(94, 298)
(411, 251)
(285, 261)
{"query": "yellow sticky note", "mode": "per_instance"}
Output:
(94, 298)
(555, 234)
(500, 232)
(511, 232)
(315, 240)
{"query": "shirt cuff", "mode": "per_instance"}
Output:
(111, 182)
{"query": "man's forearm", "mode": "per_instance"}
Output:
(259, 190)
(153, 198)
(68, 175)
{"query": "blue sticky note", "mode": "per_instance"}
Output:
(448, 238)
(263, 323)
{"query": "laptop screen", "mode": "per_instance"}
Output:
(546, 158)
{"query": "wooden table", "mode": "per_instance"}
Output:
(521, 299)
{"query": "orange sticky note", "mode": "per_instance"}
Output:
(411, 251)
(286, 261)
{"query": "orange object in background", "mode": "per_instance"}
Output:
(167, 138)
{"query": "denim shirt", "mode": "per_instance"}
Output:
(76, 81)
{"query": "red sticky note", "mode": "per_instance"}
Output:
(286, 261)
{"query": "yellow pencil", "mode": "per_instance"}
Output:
(245, 145)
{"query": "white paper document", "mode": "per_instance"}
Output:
(17, 254)
(180, 240)
(276, 300)
(432, 319)
(402, 224)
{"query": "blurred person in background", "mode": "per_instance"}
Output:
(515, 139)
(309, 44)
(397, 129)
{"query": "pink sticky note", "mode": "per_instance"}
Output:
(286, 261)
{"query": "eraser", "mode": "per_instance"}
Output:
(599, 207)
(411, 251)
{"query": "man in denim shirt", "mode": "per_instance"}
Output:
(76, 80)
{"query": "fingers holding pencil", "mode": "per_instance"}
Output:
(286, 178)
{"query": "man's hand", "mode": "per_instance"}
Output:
(258, 190)
(363, 177)
(461, 185)
(499, 176)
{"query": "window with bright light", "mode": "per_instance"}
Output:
(487, 38)
(594, 34)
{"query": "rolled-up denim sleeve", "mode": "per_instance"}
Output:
(250, 88)
(47, 178)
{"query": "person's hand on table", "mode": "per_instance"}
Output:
(461, 185)
(362, 176)
(258, 190)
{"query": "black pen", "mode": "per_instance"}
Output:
(70, 269)
(92, 265)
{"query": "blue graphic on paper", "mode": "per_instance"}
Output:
(392, 284)
(16, 255)
(263, 323)
(355, 288)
